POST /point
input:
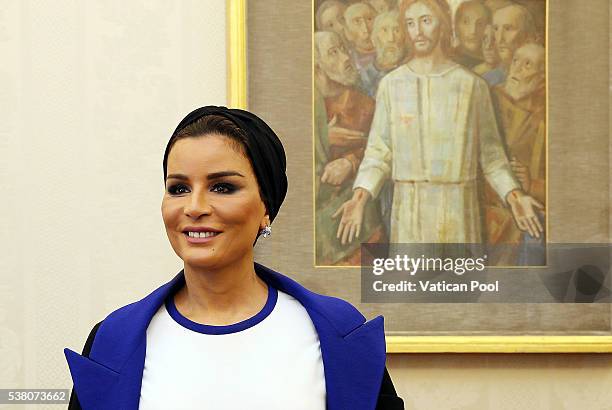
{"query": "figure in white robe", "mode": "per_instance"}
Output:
(429, 133)
(433, 126)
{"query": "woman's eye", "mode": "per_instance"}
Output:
(177, 189)
(223, 188)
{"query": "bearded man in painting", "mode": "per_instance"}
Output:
(349, 114)
(471, 19)
(513, 26)
(389, 42)
(359, 19)
(521, 106)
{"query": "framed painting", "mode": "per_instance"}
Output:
(440, 122)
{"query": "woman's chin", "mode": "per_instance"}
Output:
(199, 258)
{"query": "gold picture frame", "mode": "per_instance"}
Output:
(237, 77)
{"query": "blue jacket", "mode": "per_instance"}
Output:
(353, 350)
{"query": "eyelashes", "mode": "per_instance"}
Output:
(225, 188)
(221, 187)
(174, 189)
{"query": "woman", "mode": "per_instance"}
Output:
(227, 332)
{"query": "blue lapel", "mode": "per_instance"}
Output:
(353, 350)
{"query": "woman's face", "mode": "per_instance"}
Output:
(211, 185)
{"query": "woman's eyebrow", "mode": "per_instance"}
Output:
(221, 174)
(214, 175)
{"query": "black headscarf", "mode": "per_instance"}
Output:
(263, 147)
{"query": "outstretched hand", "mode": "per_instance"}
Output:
(352, 218)
(524, 212)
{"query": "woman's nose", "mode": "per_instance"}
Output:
(197, 206)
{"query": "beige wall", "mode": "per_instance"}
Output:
(90, 93)
(503, 381)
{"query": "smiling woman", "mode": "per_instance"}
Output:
(227, 332)
(210, 179)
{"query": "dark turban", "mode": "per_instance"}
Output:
(263, 147)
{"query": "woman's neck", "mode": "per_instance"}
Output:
(223, 296)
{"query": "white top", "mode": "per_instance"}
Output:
(269, 361)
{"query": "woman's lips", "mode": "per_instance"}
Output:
(200, 240)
